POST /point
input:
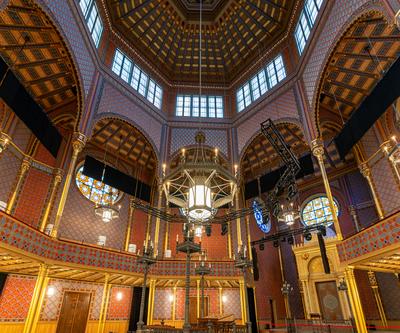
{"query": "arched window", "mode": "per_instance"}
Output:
(317, 210)
(95, 190)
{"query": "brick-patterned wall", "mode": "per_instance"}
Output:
(383, 176)
(162, 304)
(80, 223)
(16, 298)
(21, 135)
(9, 166)
(232, 303)
(269, 283)
(389, 289)
(119, 309)
(366, 295)
(181, 137)
(283, 108)
(114, 102)
(138, 229)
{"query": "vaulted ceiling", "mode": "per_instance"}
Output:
(36, 53)
(234, 34)
(359, 61)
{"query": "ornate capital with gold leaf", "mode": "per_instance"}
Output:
(365, 170)
(78, 142)
(317, 148)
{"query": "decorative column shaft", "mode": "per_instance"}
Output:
(238, 227)
(221, 305)
(174, 307)
(157, 228)
(49, 204)
(25, 165)
(374, 285)
(317, 147)
(129, 226)
(198, 283)
(306, 298)
(355, 302)
(104, 304)
(366, 172)
(230, 239)
(150, 309)
(78, 143)
(39, 292)
(353, 213)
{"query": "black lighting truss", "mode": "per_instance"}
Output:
(287, 181)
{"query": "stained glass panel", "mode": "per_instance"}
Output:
(317, 210)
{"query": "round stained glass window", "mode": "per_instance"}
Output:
(317, 211)
(96, 191)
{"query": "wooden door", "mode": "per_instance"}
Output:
(193, 310)
(74, 312)
(328, 299)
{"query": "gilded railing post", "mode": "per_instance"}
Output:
(374, 285)
(104, 304)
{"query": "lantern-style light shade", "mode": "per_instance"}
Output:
(199, 200)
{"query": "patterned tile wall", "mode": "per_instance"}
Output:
(63, 16)
(115, 103)
(16, 298)
(80, 223)
(232, 304)
(9, 166)
(21, 135)
(52, 304)
(181, 137)
(284, 107)
(162, 304)
(120, 308)
(389, 289)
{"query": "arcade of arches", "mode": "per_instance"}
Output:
(101, 99)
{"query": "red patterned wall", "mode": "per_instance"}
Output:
(119, 309)
(16, 298)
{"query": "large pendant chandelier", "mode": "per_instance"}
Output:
(106, 208)
(199, 185)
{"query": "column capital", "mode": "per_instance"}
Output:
(317, 147)
(365, 169)
(26, 164)
(78, 142)
(4, 141)
(58, 173)
(372, 279)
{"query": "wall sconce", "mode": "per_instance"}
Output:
(224, 299)
(119, 296)
(171, 298)
(51, 291)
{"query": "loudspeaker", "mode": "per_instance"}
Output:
(208, 230)
(322, 249)
(224, 228)
(3, 278)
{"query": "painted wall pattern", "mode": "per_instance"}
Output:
(232, 304)
(119, 309)
(162, 304)
(181, 137)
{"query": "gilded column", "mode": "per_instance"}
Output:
(374, 285)
(104, 304)
(242, 289)
(174, 307)
(229, 240)
(221, 305)
(355, 302)
(150, 309)
(366, 172)
(238, 229)
(39, 292)
(248, 237)
(157, 228)
(78, 143)
(129, 225)
(306, 298)
(318, 151)
(198, 297)
(49, 204)
(25, 165)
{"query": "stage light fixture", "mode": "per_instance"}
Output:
(262, 247)
(276, 243)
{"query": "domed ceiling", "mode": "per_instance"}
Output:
(235, 33)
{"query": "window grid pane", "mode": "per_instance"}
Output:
(196, 106)
(317, 210)
(92, 18)
(137, 79)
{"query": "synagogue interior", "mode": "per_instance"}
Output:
(199, 166)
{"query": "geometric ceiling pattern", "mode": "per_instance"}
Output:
(359, 61)
(124, 141)
(37, 55)
(260, 157)
(234, 34)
